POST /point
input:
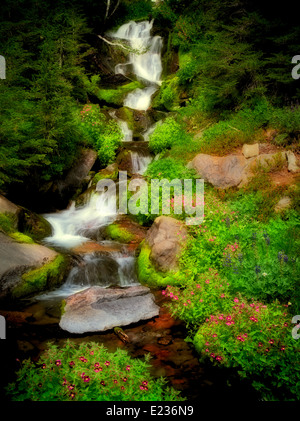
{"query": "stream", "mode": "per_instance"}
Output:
(163, 336)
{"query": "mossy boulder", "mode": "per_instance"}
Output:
(33, 225)
(111, 172)
(118, 233)
(117, 96)
(28, 268)
(148, 275)
(47, 277)
(126, 230)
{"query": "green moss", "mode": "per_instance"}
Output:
(40, 279)
(127, 115)
(21, 238)
(62, 307)
(148, 275)
(116, 96)
(117, 233)
(7, 223)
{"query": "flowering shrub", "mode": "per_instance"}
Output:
(200, 297)
(88, 372)
(256, 339)
(105, 135)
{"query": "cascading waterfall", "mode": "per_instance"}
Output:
(77, 225)
(144, 61)
(71, 227)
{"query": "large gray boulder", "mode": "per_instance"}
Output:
(222, 172)
(18, 258)
(97, 309)
(166, 238)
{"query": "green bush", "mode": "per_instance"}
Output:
(104, 134)
(166, 135)
(88, 372)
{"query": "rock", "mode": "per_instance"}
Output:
(164, 238)
(283, 204)
(33, 224)
(124, 161)
(111, 172)
(292, 162)
(97, 309)
(78, 173)
(267, 161)
(126, 230)
(17, 258)
(222, 172)
(6, 206)
(93, 247)
(249, 151)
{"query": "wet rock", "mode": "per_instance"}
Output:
(249, 151)
(97, 309)
(222, 172)
(165, 239)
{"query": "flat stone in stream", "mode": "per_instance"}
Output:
(98, 309)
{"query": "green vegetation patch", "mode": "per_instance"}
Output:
(88, 372)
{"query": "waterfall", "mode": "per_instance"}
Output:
(77, 225)
(71, 227)
(144, 61)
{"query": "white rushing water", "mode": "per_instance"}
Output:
(139, 162)
(144, 61)
(71, 226)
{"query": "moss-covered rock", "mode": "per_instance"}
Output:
(118, 233)
(148, 275)
(117, 96)
(8, 224)
(44, 278)
(33, 225)
(111, 172)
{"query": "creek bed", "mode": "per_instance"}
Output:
(163, 337)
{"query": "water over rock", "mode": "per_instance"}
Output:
(97, 309)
